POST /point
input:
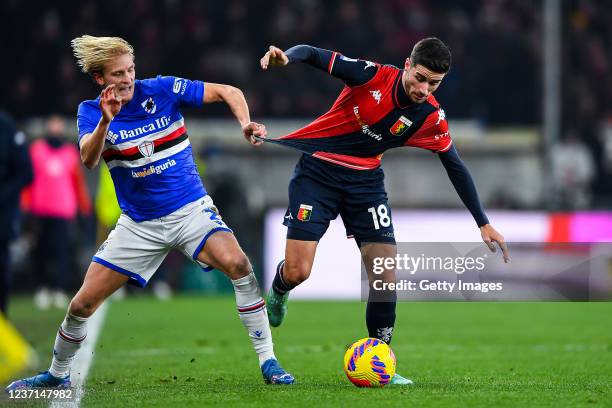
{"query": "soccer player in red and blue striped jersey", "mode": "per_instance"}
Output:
(381, 107)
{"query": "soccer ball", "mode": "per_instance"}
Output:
(369, 363)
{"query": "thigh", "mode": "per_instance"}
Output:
(313, 203)
(203, 235)
(366, 213)
(134, 249)
(223, 252)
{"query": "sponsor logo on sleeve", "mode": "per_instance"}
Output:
(180, 85)
(441, 135)
(176, 88)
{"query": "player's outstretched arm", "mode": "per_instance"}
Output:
(234, 98)
(353, 72)
(466, 189)
(91, 145)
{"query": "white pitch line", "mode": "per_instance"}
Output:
(83, 359)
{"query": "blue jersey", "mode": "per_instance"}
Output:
(147, 149)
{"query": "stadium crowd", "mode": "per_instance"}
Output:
(496, 44)
(222, 42)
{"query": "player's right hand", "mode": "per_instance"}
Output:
(275, 57)
(252, 129)
(110, 103)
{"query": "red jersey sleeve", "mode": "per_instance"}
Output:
(433, 134)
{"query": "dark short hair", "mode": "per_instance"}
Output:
(433, 54)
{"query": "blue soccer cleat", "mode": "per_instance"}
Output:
(399, 380)
(42, 380)
(273, 373)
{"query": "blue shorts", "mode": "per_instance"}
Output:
(319, 191)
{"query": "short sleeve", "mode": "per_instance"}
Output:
(87, 119)
(184, 91)
(433, 134)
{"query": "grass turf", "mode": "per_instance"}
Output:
(193, 351)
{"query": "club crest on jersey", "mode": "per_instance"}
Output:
(149, 106)
(400, 126)
(146, 148)
(304, 212)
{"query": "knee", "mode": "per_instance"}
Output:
(82, 307)
(296, 272)
(238, 267)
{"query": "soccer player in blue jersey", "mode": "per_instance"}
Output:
(136, 126)
(380, 107)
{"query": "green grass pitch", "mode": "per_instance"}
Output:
(193, 352)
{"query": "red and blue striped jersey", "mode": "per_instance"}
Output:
(371, 115)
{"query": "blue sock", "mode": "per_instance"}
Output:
(278, 284)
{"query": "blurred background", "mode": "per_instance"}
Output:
(528, 100)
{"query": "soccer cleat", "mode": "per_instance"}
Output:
(273, 373)
(42, 380)
(277, 307)
(399, 380)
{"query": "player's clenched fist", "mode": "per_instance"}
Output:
(274, 57)
(252, 129)
(110, 103)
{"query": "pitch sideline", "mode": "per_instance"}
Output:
(83, 359)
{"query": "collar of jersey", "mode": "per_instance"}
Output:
(402, 97)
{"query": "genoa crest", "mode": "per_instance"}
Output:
(400, 126)
(304, 212)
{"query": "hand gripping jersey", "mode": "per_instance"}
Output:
(147, 149)
(368, 119)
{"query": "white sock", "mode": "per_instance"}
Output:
(70, 335)
(252, 312)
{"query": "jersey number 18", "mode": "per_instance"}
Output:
(380, 216)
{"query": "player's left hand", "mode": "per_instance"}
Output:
(252, 129)
(274, 57)
(490, 236)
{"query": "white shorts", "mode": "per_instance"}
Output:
(136, 249)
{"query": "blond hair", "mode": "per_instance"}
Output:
(93, 52)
